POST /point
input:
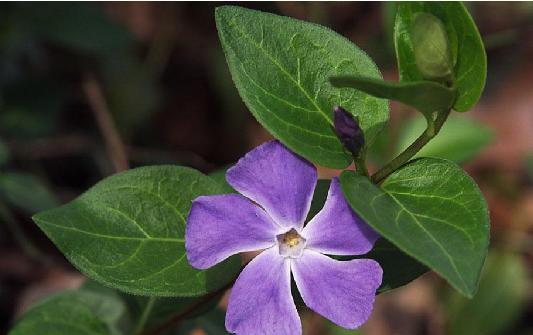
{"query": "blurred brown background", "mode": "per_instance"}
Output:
(73, 76)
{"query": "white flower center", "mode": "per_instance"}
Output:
(291, 244)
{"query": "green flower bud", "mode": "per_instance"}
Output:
(431, 47)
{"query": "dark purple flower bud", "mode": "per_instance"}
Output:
(348, 130)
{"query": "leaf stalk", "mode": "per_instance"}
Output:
(431, 131)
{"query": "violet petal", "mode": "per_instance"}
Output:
(337, 229)
(219, 226)
(341, 291)
(261, 301)
(277, 179)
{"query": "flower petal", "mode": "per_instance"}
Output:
(336, 229)
(341, 291)
(277, 179)
(219, 226)
(261, 300)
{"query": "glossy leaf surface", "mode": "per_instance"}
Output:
(72, 313)
(281, 68)
(431, 210)
(127, 232)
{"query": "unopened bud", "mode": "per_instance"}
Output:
(431, 46)
(348, 130)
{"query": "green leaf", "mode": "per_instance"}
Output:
(127, 232)
(500, 300)
(281, 68)
(459, 140)
(426, 96)
(113, 310)
(467, 51)
(433, 211)
(70, 313)
(27, 192)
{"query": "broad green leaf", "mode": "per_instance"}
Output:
(281, 68)
(426, 96)
(459, 140)
(398, 268)
(433, 211)
(467, 51)
(127, 232)
(500, 300)
(113, 310)
(69, 313)
(27, 192)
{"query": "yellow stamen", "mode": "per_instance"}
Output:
(291, 238)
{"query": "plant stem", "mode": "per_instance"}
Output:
(360, 164)
(144, 316)
(431, 131)
(115, 147)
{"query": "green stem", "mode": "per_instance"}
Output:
(360, 164)
(431, 131)
(144, 316)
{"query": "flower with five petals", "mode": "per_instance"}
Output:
(276, 188)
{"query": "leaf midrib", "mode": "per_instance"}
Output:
(125, 238)
(448, 256)
(148, 192)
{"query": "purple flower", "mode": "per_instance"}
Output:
(277, 187)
